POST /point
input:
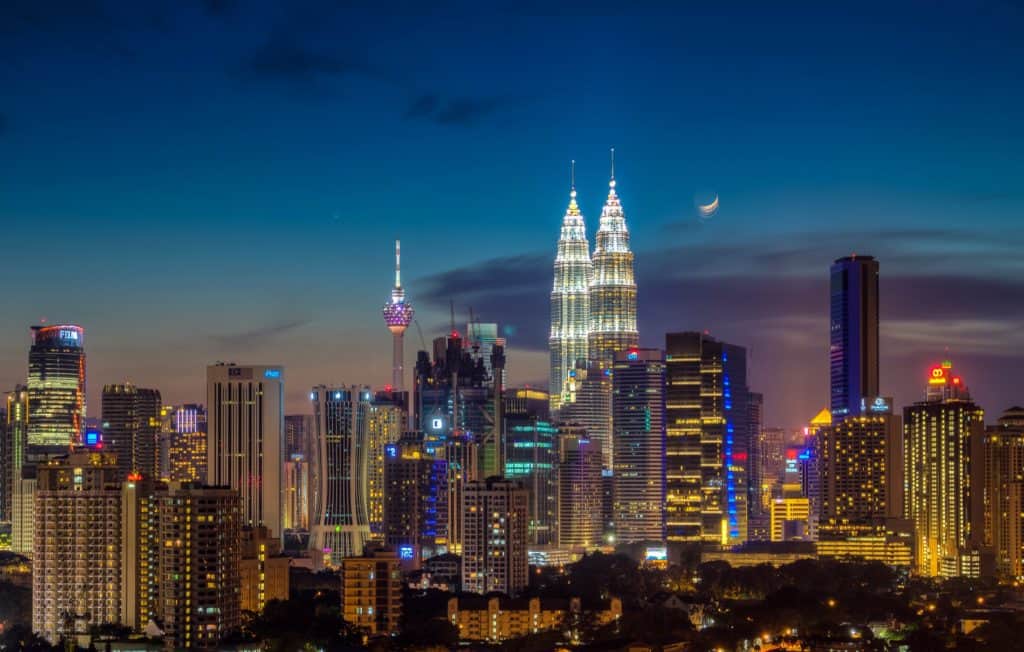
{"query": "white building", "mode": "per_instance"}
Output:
(245, 442)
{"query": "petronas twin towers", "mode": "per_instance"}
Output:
(593, 301)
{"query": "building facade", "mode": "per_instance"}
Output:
(131, 427)
(706, 444)
(531, 457)
(1004, 493)
(245, 445)
(570, 304)
(371, 592)
(415, 501)
(187, 454)
(579, 493)
(78, 548)
(56, 385)
(638, 418)
(944, 478)
(340, 522)
(494, 558)
(853, 334)
(263, 574)
(386, 420)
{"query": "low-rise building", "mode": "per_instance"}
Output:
(264, 573)
(497, 619)
(371, 591)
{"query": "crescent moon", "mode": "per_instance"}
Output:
(707, 210)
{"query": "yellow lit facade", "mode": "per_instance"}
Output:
(264, 574)
(943, 440)
(795, 511)
(371, 591)
(1004, 493)
(500, 619)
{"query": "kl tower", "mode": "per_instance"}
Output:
(398, 315)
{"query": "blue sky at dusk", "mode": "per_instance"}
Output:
(223, 180)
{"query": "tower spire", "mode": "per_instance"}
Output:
(398, 263)
(572, 176)
(611, 182)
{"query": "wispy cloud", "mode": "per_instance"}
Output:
(259, 335)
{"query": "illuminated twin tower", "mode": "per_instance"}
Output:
(593, 301)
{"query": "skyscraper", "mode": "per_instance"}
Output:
(198, 600)
(15, 433)
(386, 419)
(186, 455)
(78, 546)
(570, 302)
(579, 493)
(532, 458)
(944, 478)
(340, 523)
(861, 467)
(245, 441)
(1004, 492)
(706, 443)
(612, 286)
(612, 308)
(494, 537)
(853, 334)
(638, 417)
(131, 427)
(56, 385)
(481, 339)
(415, 501)
(398, 315)
(298, 434)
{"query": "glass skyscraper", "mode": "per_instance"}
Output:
(853, 334)
(56, 385)
(707, 445)
(638, 432)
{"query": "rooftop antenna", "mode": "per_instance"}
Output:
(572, 175)
(398, 263)
(613, 164)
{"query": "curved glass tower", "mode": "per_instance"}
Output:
(612, 287)
(570, 302)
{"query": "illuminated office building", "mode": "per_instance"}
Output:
(56, 385)
(706, 442)
(415, 501)
(339, 523)
(570, 303)
(398, 315)
(532, 459)
(853, 334)
(386, 419)
(186, 455)
(861, 467)
(580, 526)
(245, 445)
(494, 537)
(790, 519)
(944, 478)
(131, 428)
(77, 549)
(638, 409)
(1004, 493)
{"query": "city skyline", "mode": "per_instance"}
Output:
(812, 157)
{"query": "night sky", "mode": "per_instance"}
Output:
(223, 180)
